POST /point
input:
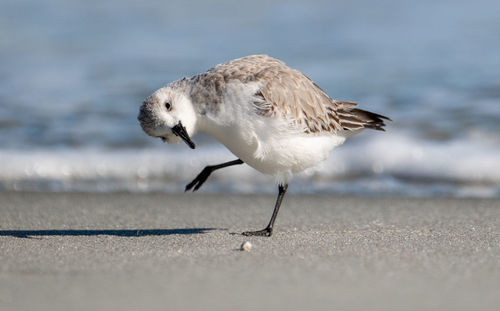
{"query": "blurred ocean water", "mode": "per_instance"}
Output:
(73, 74)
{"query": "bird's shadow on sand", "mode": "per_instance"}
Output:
(95, 232)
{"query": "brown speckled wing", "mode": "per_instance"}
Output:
(294, 97)
(288, 94)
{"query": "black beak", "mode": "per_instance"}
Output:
(180, 131)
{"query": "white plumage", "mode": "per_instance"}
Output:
(270, 116)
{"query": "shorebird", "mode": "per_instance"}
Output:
(271, 116)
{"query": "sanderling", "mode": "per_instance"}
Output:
(272, 117)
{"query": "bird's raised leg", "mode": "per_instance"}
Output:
(202, 177)
(268, 231)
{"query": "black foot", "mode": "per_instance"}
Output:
(264, 232)
(200, 179)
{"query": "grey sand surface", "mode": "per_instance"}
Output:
(170, 252)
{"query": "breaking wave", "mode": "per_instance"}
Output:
(375, 164)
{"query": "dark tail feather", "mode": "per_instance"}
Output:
(366, 119)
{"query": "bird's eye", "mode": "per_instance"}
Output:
(168, 106)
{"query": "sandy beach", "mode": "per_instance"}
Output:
(170, 252)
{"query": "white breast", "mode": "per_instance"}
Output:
(267, 144)
(272, 151)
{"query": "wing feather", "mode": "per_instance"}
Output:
(290, 95)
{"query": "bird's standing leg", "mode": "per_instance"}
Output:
(268, 231)
(202, 177)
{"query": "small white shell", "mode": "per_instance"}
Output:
(246, 246)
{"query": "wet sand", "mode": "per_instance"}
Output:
(170, 252)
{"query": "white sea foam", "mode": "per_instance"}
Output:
(373, 164)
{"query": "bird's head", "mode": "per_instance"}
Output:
(169, 114)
